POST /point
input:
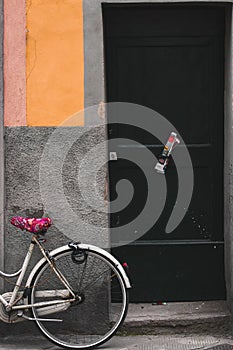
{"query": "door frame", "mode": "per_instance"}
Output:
(228, 156)
(95, 92)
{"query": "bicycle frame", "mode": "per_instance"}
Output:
(46, 306)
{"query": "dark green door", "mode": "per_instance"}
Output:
(171, 58)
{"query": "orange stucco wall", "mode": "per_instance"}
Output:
(54, 61)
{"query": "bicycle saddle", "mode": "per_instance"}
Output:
(32, 225)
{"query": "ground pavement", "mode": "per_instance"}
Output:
(171, 326)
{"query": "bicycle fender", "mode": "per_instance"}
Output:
(110, 257)
(87, 247)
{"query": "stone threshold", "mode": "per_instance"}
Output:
(207, 317)
(212, 317)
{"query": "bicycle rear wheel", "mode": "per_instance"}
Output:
(88, 322)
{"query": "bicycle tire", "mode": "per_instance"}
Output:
(104, 300)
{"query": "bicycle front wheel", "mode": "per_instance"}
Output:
(98, 311)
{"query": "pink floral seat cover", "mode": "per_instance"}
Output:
(32, 225)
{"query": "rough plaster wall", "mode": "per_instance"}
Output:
(24, 147)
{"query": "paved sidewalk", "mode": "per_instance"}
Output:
(173, 326)
(162, 342)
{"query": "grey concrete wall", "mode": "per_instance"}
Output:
(23, 148)
(94, 82)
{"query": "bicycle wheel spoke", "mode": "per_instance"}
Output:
(82, 275)
(96, 279)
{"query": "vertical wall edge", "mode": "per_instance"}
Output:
(2, 155)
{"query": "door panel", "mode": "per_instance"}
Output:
(170, 58)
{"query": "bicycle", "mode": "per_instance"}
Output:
(82, 286)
